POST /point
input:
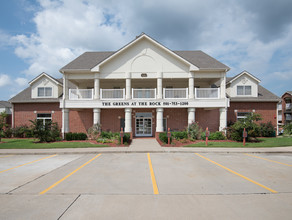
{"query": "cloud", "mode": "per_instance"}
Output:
(22, 82)
(244, 35)
(4, 80)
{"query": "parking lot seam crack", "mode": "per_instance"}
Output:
(69, 206)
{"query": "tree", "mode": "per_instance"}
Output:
(3, 124)
(253, 130)
(45, 132)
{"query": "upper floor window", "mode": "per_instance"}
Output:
(44, 91)
(243, 90)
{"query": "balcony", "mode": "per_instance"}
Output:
(279, 117)
(80, 94)
(116, 94)
(143, 93)
(288, 106)
(207, 93)
(180, 93)
(279, 107)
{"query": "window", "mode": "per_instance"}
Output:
(45, 92)
(241, 116)
(165, 124)
(243, 90)
(45, 117)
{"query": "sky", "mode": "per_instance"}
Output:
(44, 35)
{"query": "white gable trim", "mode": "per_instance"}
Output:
(244, 73)
(45, 75)
(142, 36)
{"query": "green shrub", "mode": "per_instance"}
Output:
(163, 137)
(45, 132)
(214, 136)
(7, 132)
(288, 129)
(126, 138)
(235, 132)
(267, 130)
(178, 135)
(75, 136)
(20, 131)
(94, 131)
(194, 131)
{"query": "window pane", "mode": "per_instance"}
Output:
(41, 92)
(239, 90)
(44, 115)
(247, 90)
(48, 91)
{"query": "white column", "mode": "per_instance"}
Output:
(128, 85)
(191, 85)
(96, 86)
(223, 86)
(223, 119)
(159, 85)
(128, 120)
(191, 115)
(159, 120)
(65, 87)
(96, 116)
(65, 121)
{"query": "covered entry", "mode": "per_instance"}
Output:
(143, 124)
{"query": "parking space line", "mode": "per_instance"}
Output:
(269, 160)
(238, 174)
(155, 188)
(70, 174)
(7, 156)
(28, 163)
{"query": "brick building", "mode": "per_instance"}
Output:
(144, 88)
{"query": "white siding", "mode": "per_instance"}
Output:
(44, 82)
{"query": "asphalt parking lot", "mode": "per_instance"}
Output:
(146, 186)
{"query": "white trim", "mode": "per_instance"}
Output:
(142, 36)
(247, 73)
(46, 75)
(44, 87)
(143, 135)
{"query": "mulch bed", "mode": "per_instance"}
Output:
(176, 143)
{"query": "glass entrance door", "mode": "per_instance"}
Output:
(143, 126)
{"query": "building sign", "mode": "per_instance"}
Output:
(144, 104)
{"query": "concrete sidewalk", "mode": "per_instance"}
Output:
(145, 145)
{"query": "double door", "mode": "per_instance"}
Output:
(143, 126)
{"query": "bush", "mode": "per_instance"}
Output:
(75, 136)
(163, 137)
(94, 131)
(194, 131)
(214, 136)
(109, 135)
(236, 130)
(45, 132)
(288, 129)
(7, 132)
(126, 138)
(267, 130)
(178, 135)
(20, 131)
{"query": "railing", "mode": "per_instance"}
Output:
(288, 117)
(279, 117)
(170, 93)
(288, 106)
(80, 94)
(143, 93)
(207, 93)
(280, 107)
(112, 94)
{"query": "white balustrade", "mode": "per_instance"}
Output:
(106, 94)
(143, 93)
(80, 94)
(175, 93)
(207, 93)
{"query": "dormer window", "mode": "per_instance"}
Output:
(44, 92)
(243, 90)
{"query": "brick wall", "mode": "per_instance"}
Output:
(23, 112)
(177, 118)
(80, 121)
(110, 119)
(208, 118)
(285, 96)
(267, 110)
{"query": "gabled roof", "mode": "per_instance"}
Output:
(196, 59)
(288, 92)
(5, 104)
(46, 75)
(231, 79)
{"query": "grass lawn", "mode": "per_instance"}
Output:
(264, 142)
(29, 144)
